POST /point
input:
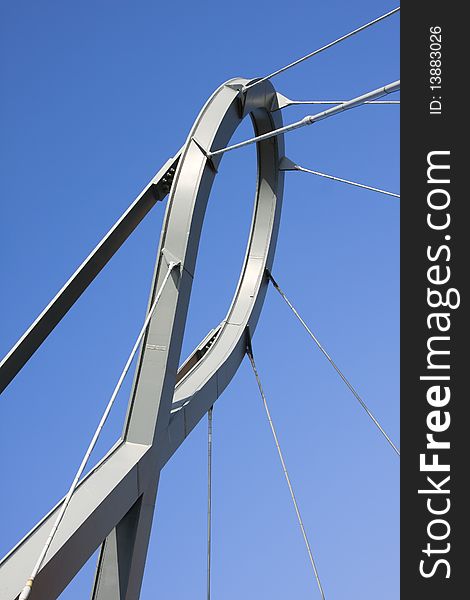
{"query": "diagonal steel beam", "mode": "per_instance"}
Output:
(58, 307)
(122, 557)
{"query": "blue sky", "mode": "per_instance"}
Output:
(95, 97)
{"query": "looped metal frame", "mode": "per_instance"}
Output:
(114, 504)
(210, 368)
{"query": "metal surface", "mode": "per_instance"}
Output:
(310, 119)
(58, 307)
(114, 502)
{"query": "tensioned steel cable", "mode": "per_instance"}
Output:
(341, 180)
(315, 52)
(249, 351)
(333, 364)
(29, 584)
(209, 499)
(310, 119)
(288, 102)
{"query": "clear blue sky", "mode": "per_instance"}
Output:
(95, 97)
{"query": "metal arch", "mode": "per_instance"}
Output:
(115, 502)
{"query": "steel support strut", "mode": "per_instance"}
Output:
(114, 504)
(58, 307)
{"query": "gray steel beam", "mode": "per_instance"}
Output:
(101, 501)
(193, 181)
(30, 341)
(122, 557)
(160, 415)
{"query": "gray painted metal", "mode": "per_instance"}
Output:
(114, 503)
(310, 119)
(58, 307)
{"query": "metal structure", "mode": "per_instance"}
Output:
(114, 504)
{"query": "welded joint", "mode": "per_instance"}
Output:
(241, 97)
(279, 102)
(167, 180)
(162, 184)
(207, 154)
(248, 346)
(285, 164)
(251, 83)
(271, 279)
(171, 260)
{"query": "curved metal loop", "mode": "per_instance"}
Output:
(117, 497)
(209, 369)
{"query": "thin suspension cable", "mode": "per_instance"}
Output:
(310, 119)
(209, 499)
(360, 185)
(333, 364)
(325, 102)
(315, 52)
(249, 351)
(29, 584)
